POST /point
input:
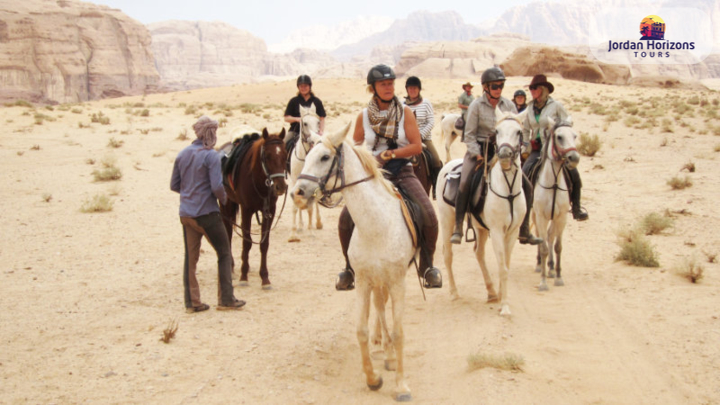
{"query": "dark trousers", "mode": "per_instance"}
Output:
(211, 226)
(411, 185)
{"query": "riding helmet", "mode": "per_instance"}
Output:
(493, 74)
(379, 72)
(519, 93)
(413, 81)
(304, 79)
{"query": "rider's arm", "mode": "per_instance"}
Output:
(359, 134)
(413, 136)
(290, 119)
(429, 123)
(471, 136)
(322, 125)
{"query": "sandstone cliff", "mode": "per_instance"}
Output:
(70, 51)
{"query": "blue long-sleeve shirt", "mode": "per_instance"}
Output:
(197, 176)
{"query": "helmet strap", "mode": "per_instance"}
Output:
(378, 97)
(490, 95)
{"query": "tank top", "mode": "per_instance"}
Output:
(382, 145)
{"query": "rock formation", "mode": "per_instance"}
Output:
(70, 51)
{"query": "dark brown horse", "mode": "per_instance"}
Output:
(257, 181)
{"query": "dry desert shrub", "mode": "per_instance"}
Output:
(114, 143)
(711, 257)
(90, 161)
(109, 171)
(689, 166)
(654, 223)
(169, 331)
(100, 118)
(636, 249)
(691, 270)
(145, 113)
(35, 147)
(694, 100)
(191, 110)
(588, 145)
(182, 136)
(20, 103)
(667, 126)
(506, 361)
(46, 197)
(676, 183)
(20, 152)
(99, 203)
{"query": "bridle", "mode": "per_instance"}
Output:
(304, 139)
(515, 152)
(337, 169)
(558, 155)
(269, 176)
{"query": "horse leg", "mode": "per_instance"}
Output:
(318, 223)
(397, 294)
(538, 268)
(447, 230)
(245, 224)
(310, 217)
(293, 234)
(380, 297)
(558, 250)
(551, 256)
(482, 236)
(264, 245)
(542, 227)
(372, 379)
(448, 141)
(498, 241)
(377, 337)
(229, 215)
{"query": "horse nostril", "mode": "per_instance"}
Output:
(300, 192)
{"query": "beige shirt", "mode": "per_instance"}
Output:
(533, 126)
(480, 124)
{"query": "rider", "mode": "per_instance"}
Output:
(540, 109)
(305, 98)
(425, 116)
(519, 99)
(478, 136)
(465, 99)
(389, 130)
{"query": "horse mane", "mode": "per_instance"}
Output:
(367, 160)
(254, 152)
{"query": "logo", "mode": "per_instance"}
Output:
(613, 36)
(652, 27)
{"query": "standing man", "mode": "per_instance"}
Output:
(198, 178)
(464, 101)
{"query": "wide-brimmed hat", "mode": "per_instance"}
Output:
(541, 80)
(467, 84)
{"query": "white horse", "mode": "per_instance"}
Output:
(380, 249)
(449, 133)
(309, 127)
(503, 211)
(551, 201)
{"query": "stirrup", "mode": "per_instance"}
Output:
(436, 279)
(345, 280)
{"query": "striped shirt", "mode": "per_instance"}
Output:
(425, 117)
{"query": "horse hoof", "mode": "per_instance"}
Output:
(559, 282)
(390, 365)
(406, 397)
(543, 287)
(294, 239)
(376, 386)
(492, 298)
(319, 226)
(243, 283)
(505, 311)
(267, 287)
(538, 270)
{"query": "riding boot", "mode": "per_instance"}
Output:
(525, 237)
(434, 171)
(428, 273)
(577, 211)
(461, 203)
(346, 278)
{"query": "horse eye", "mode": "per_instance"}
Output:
(325, 158)
(559, 138)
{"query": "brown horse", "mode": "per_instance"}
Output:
(257, 181)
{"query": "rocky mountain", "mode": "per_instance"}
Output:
(420, 26)
(328, 38)
(69, 51)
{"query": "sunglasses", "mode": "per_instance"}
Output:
(494, 86)
(533, 87)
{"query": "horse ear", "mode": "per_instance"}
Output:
(282, 133)
(312, 108)
(265, 133)
(338, 138)
(302, 110)
(522, 115)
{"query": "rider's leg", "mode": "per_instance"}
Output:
(461, 201)
(346, 278)
(577, 212)
(525, 236)
(435, 165)
(428, 238)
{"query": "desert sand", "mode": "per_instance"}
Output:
(86, 296)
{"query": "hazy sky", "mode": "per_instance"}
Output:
(272, 20)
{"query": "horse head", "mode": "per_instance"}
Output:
(321, 168)
(561, 143)
(273, 160)
(508, 132)
(309, 121)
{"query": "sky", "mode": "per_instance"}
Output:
(273, 20)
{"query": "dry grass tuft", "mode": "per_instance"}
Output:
(636, 249)
(711, 257)
(588, 145)
(182, 136)
(169, 331)
(506, 361)
(690, 270)
(689, 166)
(35, 147)
(47, 197)
(99, 203)
(114, 143)
(676, 183)
(654, 223)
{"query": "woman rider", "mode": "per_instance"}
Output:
(305, 98)
(425, 117)
(390, 131)
(519, 99)
(479, 131)
(540, 109)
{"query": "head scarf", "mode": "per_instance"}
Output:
(205, 129)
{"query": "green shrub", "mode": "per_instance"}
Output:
(654, 223)
(676, 183)
(636, 249)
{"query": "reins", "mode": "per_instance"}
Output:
(558, 155)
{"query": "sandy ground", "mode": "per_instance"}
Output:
(85, 297)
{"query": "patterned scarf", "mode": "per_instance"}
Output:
(385, 123)
(417, 101)
(205, 130)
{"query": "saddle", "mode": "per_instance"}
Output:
(412, 215)
(230, 161)
(290, 148)
(428, 163)
(535, 171)
(478, 191)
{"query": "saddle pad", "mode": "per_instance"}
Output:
(236, 155)
(408, 219)
(452, 183)
(478, 191)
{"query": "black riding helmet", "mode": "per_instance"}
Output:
(493, 74)
(304, 79)
(379, 72)
(519, 93)
(413, 81)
